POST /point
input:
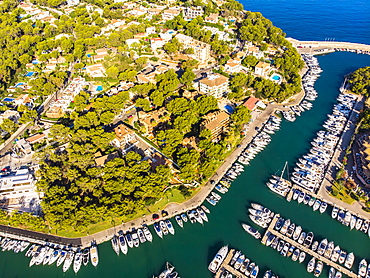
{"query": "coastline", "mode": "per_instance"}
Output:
(172, 208)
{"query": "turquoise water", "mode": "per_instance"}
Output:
(192, 248)
(275, 77)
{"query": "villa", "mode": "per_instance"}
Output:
(262, 69)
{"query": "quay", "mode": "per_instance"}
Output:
(270, 230)
(225, 266)
(323, 47)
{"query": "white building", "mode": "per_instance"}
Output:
(11, 115)
(193, 12)
(17, 184)
(169, 14)
(262, 69)
(233, 66)
(215, 85)
(202, 50)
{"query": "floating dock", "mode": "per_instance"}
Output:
(226, 266)
(270, 230)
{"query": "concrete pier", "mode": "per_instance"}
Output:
(226, 266)
(270, 230)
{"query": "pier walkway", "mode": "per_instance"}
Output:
(322, 47)
(226, 266)
(308, 251)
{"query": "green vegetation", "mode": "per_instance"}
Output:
(359, 81)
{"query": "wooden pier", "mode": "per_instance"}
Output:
(270, 230)
(226, 266)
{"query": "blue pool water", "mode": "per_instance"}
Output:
(35, 62)
(275, 77)
(229, 108)
(19, 84)
(99, 88)
(8, 99)
(88, 55)
(30, 73)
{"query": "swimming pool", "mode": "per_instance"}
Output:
(30, 73)
(88, 55)
(8, 99)
(99, 88)
(229, 108)
(276, 77)
(19, 84)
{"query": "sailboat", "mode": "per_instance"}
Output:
(280, 185)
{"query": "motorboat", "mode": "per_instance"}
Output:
(290, 251)
(115, 244)
(349, 260)
(254, 272)
(141, 235)
(301, 238)
(54, 257)
(334, 212)
(297, 232)
(270, 239)
(135, 238)
(202, 214)
(279, 223)
(359, 223)
(158, 230)
(290, 230)
(352, 223)
(308, 240)
(258, 220)
(184, 217)
(163, 227)
(362, 268)
(311, 265)
(317, 205)
(296, 254)
(206, 210)
(252, 231)
(322, 246)
(62, 257)
(285, 250)
(323, 207)
(280, 245)
(85, 256)
(68, 260)
(302, 257)
(170, 226)
(239, 261)
(329, 250)
(336, 253)
(147, 233)
(342, 256)
(235, 257)
(94, 255)
(284, 229)
(332, 272)
(314, 246)
(78, 261)
(129, 240)
(318, 268)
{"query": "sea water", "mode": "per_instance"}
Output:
(191, 249)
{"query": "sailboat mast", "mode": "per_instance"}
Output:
(282, 172)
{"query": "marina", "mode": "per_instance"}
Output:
(271, 230)
(247, 184)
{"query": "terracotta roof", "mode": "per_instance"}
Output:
(122, 130)
(35, 138)
(251, 102)
(215, 120)
(263, 65)
(214, 80)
